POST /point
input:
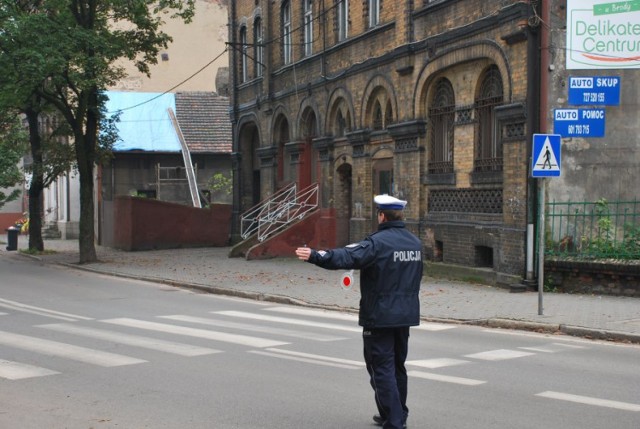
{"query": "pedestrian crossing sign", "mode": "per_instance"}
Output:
(546, 155)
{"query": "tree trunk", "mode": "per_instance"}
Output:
(86, 144)
(86, 240)
(37, 183)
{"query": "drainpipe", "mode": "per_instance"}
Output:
(235, 162)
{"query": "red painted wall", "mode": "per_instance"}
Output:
(144, 224)
(7, 220)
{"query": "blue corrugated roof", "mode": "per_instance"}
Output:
(147, 126)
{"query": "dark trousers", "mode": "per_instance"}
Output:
(385, 351)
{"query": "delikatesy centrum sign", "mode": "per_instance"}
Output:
(603, 34)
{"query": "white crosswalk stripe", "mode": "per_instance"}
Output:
(445, 378)
(424, 326)
(437, 363)
(310, 358)
(288, 321)
(625, 406)
(198, 333)
(25, 308)
(18, 371)
(68, 351)
(496, 355)
(132, 340)
(315, 313)
(254, 328)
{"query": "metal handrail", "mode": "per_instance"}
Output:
(288, 211)
(249, 221)
(278, 211)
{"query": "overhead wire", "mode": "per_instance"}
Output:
(173, 87)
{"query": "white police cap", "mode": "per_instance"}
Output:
(387, 202)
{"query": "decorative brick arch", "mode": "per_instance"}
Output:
(340, 99)
(279, 113)
(308, 104)
(244, 121)
(473, 51)
(380, 89)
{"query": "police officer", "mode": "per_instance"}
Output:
(390, 264)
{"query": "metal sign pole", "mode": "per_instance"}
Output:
(541, 228)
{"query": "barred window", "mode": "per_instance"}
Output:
(441, 120)
(488, 153)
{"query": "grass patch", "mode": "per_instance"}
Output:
(37, 252)
(472, 279)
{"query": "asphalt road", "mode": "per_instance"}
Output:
(80, 350)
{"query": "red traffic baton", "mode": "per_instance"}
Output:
(346, 281)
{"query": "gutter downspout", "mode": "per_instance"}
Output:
(236, 165)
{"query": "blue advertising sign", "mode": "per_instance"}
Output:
(546, 155)
(595, 90)
(579, 122)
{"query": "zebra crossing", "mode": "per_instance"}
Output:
(269, 331)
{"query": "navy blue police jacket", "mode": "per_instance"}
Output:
(390, 264)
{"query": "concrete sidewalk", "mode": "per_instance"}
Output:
(291, 281)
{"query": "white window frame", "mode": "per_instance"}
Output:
(286, 33)
(308, 27)
(374, 13)
(244, 58)
(259, 51)
(343, 20)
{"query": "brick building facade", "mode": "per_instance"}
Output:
(432, 101)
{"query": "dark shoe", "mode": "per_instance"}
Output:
(379, 421)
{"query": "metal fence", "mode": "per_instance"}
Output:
(602, 229)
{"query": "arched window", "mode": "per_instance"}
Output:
(378, 122)
(488, 156)
(388, 115)
(244, 58)
(340, 124)
(286, 33)
(441, 119)
(258, 46)
(308, 27)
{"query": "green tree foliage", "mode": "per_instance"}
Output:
(65, 53)
(13, 138)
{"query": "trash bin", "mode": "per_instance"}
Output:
(12, 238)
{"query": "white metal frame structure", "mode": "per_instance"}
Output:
(279, 211)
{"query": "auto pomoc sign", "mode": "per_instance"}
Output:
(603, 34)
